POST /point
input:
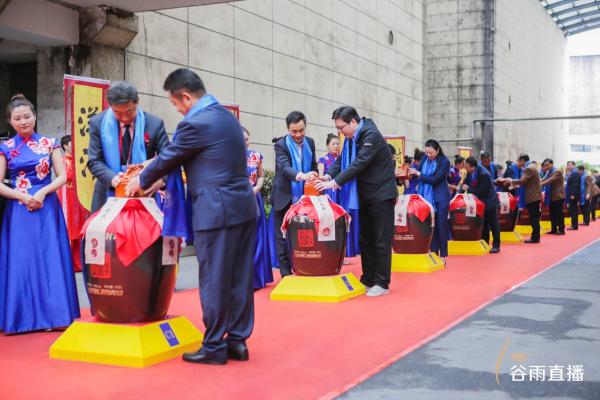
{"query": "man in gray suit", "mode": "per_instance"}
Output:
(119, 136)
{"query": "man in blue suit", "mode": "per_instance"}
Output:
(295, 163)
(210, 145)
(479, 183)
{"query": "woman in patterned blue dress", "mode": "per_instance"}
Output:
(37, 284)
(325, 162)
(454, 176)
(263, 272)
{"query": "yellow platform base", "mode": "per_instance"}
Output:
(124, 345)
(511, 238)
(568, 220)
(468, 248)
(526, 229)
(423, 263)
(325, 289)
(545, 225)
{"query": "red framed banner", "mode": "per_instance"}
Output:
(84, 98)
(399, 144)
(234, 108)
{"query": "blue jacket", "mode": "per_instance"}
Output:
(210, 146)
(281, 194)
(439, 180)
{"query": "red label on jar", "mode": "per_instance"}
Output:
(306, 238)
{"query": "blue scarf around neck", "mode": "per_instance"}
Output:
(349, 192)
(521, 190)
(582, 187)
(110, 137)
(548, 188)
(300, 165)
(426, 189)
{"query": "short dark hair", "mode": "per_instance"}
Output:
(434, 144)
(571, 162)
(458, 159)
(18, 100)
(547, 161)
(346, 114)
(581, 167)
(65, 140)
(407, 159)
(330, 137)
(246, 130)
(523, 157)
(294, 117)
(472, 161)
(484, 154)
(183, 79)
(121, 92)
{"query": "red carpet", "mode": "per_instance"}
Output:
(298, 350)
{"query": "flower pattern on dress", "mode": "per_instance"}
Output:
(22, 183)
(10, 143)
(43, 146)
(43, 168)
(253, 159)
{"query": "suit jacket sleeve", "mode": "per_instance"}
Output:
(483, 186)
(186, 144)
(551, 179)
(441, 173)
(96, 162)
(364, 156)
(527, 175)
(162, 139)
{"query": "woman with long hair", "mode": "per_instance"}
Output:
(433, 186)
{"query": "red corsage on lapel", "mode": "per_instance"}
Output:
(146, 138)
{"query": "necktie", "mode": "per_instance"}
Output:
(126, 146)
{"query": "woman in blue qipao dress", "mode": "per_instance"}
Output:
(325, 162)
(263, 272)
(454, 176)
(37, 283)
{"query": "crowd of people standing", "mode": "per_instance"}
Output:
(39, 250)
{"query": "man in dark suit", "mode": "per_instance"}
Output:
(210, 145)
(290, 175)
(573, 190)
(121, 135)
(486, 162)
(479, 183)
(370, 172)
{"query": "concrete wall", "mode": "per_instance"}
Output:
(459, 75)
(501, 59)
(275, 56)
(584, 94)
(531, 67)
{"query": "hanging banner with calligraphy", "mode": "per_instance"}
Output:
(84, 98)
(399, 144)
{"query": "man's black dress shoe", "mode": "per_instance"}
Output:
(200, 357)
(495, 250)
(571, 228)
(532, 241)
(237, 351)
(552, 233)
(561, 233)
